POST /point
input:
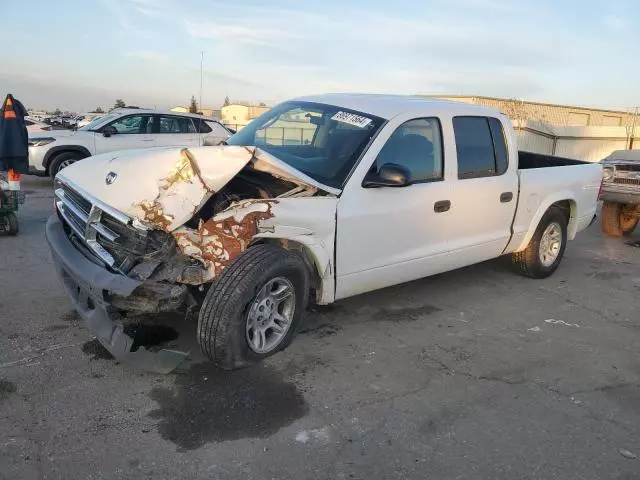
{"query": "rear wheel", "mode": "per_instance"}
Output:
(546, 248)
(63, 160)
(616, 219)
(254, 307)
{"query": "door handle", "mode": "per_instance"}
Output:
(441, 206)
(506, 197)
(147, 139)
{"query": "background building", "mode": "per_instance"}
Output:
(238, 115)
(568, 131)
(207, 112)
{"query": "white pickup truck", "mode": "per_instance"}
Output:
(375, 191)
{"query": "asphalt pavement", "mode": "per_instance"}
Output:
(474, 374)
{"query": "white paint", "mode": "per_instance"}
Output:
(534, 329)
(553, 321)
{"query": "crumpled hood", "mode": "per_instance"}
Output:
(165, 187)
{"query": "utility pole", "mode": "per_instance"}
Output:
(201, 61)
(632, 131)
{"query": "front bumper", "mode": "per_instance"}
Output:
(91, 289)
(620, 197)
(36, 160)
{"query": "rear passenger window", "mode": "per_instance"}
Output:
(202, 126)
(499, 145)
(481, 147)
(176, 125)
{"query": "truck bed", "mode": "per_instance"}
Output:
(545, 179)
(528, 160)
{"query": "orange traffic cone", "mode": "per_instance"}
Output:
(9, 112)
(14, 180)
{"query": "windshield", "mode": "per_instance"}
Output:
(322, 141)
(96, 123)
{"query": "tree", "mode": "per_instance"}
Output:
(193, 106)
(57, 112)
(98, 110)
(226, 101)
(119, 104)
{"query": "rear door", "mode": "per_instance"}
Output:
(132, 131)
(484, 190)
(175, 131)
(212, 133)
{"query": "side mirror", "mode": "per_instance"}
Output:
(389, 175)
(108, 131)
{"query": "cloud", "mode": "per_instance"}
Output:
(233, 33)
(122, 13)
(151, 56)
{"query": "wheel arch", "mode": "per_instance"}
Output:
(563, 200)
(317, 259)
(55, 151)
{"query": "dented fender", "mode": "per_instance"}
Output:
(309, 221)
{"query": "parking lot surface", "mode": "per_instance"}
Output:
(477, 373)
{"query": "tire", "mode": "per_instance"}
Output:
(63, 160)
(225, 318)
(528, 262)
(614, 222)
(12, 223)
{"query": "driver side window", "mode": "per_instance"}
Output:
(133, 124)
(417, 146)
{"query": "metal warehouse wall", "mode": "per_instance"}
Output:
(558, 115)
(591, 144)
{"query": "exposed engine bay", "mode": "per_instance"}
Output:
(219, 231)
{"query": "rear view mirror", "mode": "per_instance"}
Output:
(389, 175)
(108, 131)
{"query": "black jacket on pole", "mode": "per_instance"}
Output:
(14, 139)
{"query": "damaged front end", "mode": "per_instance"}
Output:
(170, 223)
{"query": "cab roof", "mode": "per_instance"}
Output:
(388, 106)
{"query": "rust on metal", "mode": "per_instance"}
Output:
(170, 190)
(183, 171)
(222, 238)
(153, 214)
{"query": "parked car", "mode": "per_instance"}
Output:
(36, 126)
(122, 129)
(620, 193)
(56, 121)
(87, 119)
(389, 190)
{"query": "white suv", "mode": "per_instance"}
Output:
(121, 129)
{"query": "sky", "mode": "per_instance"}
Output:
(80, 54)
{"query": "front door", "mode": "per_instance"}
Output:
(131, 132)
(390, 235)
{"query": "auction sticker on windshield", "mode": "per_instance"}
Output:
(351, 119)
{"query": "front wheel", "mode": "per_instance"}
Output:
(254, 307)
(546, 248)
(63, 160)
